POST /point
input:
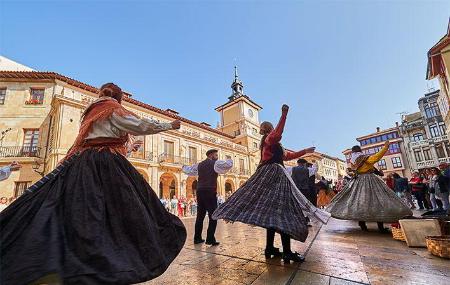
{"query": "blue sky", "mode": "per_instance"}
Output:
(344, 67)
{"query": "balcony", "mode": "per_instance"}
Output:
(177, 160)
(142, 155)
(426, 164)
(419, 143)
(244, 172)
(34, 102)
(19, 151)
(439, 139)
(444, 160)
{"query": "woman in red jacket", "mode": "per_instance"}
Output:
(270, 199)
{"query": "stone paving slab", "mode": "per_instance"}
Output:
(336, 254)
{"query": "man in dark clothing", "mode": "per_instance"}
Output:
(301, 175)
(207, 171)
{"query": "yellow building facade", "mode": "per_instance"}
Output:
(439, 68)
(40, 116)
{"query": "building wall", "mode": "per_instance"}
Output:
(58, 120)
(372, 143)
(432, 148)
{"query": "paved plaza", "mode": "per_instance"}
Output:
(336, 253)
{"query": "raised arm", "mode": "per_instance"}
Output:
(290, 155)
(313, 170)
(223, 166)
(190, 170)
(136, 126)
(5, 172)
(377, 156)
(276, 134)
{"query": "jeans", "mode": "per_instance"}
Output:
(433, 201)
(420, 197)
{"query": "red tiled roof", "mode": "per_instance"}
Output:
(39, 75)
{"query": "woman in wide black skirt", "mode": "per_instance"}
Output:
(270, 198)
(94, 219)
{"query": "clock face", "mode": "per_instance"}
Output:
(250, 113)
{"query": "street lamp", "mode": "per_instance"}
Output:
(36, 165)
(3, 134)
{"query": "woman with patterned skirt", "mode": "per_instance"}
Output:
(270, 199)
(94, 219)
(367, 198)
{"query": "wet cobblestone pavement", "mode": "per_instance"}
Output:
(337, 253)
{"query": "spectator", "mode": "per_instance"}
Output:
(402, 190)
(3, 203)
(444, 184)
(418, 190)
(173, 205)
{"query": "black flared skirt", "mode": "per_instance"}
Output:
(96, 221)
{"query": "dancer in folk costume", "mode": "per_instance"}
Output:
(270, 199)
(366, 198)
(94, 219)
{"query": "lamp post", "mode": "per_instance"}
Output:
(3, 134)
(36, 165)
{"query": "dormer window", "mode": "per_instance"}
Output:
(36, 96)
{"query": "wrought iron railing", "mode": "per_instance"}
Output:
(19, 151)
(173, 159)
(143, 155)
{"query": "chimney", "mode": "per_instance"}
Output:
(378, 129)
(172, 111)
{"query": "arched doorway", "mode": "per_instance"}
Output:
(168, 186)
(229, 188)
(143, 173)
(191, 187)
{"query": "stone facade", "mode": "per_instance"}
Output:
(425, 134)
(40, 116)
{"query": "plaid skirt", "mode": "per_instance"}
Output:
(368, 198)
(270, 199)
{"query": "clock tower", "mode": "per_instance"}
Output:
(239, 117)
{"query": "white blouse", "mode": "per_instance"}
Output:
(220, 167)
(5, 172)
(117, 126)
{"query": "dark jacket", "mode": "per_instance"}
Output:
(300, 175)
(443, 182)
(207, 176)
(401, 184)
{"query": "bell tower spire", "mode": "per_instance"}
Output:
(237, 86)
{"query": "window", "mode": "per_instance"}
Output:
(20, 187)
(30, 140)
(37, 96)
(241, 164)
(418, 155)
(382, 164)
(227, 156)
(394, 148)
(192, 155)
(169, 151)
(2, 96)
(447, 147)
(434, 130)
(396, 162)
(255, 145)
(237, 133)
(440, 151)
(418, 137)
(427, 154)
(431, 110)
(255, 131)
(442, 129)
